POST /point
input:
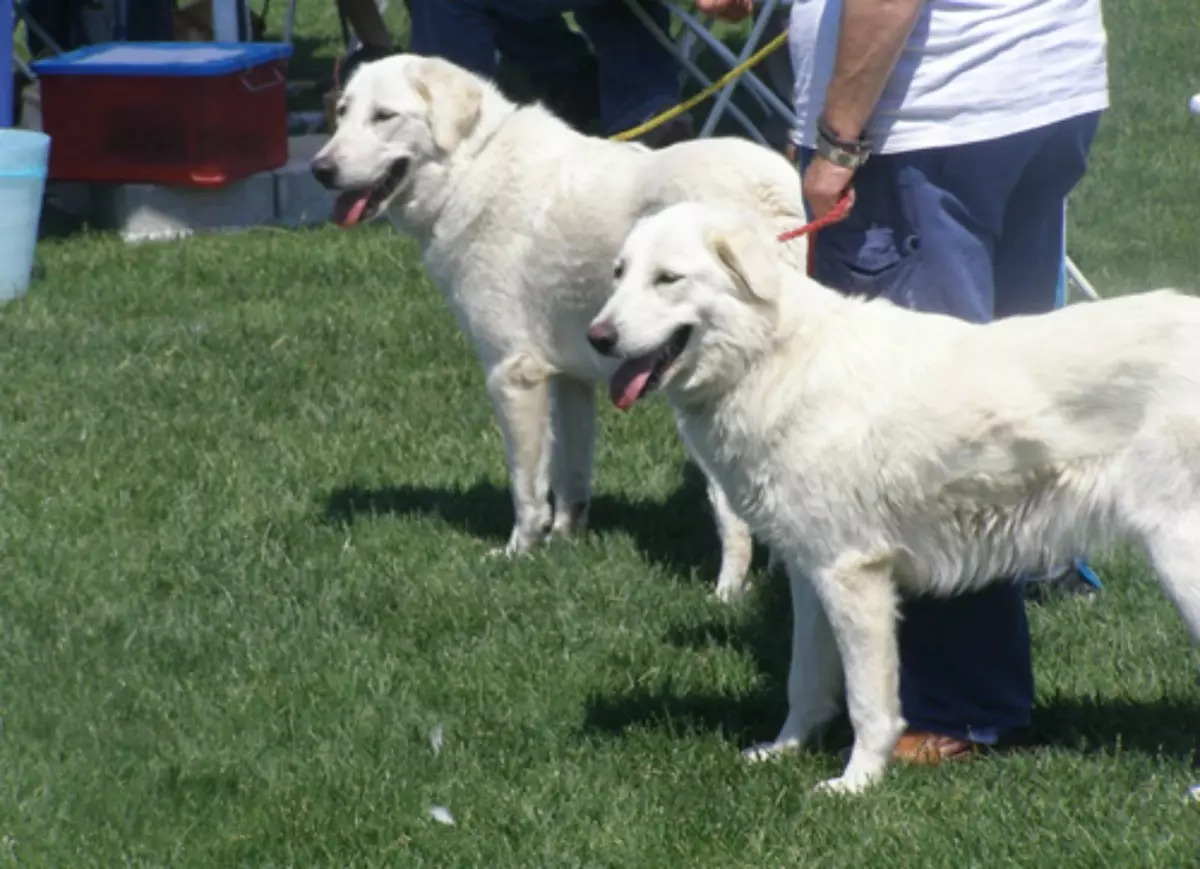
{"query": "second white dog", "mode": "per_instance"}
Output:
(880, 451)
(518, 218)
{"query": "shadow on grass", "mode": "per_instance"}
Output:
(678, 534)
(744, 720)
(764, 634)
(1165, 727)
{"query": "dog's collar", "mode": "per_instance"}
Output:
(495, 131)
(478, 149)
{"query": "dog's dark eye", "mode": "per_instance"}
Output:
(382, 116)
(341, 110)
(618, 270)
(662, 279)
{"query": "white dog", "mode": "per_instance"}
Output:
(519, 218)
(879, 451)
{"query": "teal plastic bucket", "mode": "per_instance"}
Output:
(23, 159)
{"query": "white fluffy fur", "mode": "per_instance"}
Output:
(519, 219)
(880, 451)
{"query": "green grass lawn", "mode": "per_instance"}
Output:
(246, 488)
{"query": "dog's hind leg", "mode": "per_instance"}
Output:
(574, 417)
(814, 676)
(520, 391)
(860, 602)
(1174, 550)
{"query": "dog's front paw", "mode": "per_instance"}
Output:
(520, 542)
(845, 784)
(849, 783)
(570, 520)
(761, 751)
(730, 592)
(512, 549)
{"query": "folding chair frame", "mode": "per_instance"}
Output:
(21, 16)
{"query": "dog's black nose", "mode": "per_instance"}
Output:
(324, 171)
(603, 337)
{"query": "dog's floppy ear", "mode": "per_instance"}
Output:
(746, 259)
(454, 99)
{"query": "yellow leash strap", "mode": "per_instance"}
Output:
(675, 111)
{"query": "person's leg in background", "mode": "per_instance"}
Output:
(923, 233)
(557, 61)
(948, 645)
(638, 77)
(460, 31)
(469, 32)
(1029, 263)
(1029, 254)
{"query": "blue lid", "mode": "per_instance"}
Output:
(163, 58)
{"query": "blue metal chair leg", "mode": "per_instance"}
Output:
(1081, 566)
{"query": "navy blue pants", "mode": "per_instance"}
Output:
(638, 77)
(975, 231)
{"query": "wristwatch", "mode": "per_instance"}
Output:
(848, 155)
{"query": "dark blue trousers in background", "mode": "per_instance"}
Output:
(975, 231)
(638, 77)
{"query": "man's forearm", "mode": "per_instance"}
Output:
(872, 38)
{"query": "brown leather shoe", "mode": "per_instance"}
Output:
(922, 748)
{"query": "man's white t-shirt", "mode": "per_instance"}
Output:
(972, 70)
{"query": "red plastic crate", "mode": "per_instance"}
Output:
(188, 113)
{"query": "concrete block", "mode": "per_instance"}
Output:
(287, 196)
(300, 200)
(73, 198)
(150, 212)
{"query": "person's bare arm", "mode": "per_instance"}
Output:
(872, 37)
(726, 10)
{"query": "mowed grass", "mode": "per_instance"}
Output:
(247, 488)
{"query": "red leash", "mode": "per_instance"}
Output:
(838, 212)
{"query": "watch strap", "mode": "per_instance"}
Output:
(840, 152)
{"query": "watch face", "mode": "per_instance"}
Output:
(837, 155)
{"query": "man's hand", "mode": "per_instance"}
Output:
(726, 10)
(824, 185)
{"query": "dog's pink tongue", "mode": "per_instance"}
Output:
(349, 207)
(628, 382)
